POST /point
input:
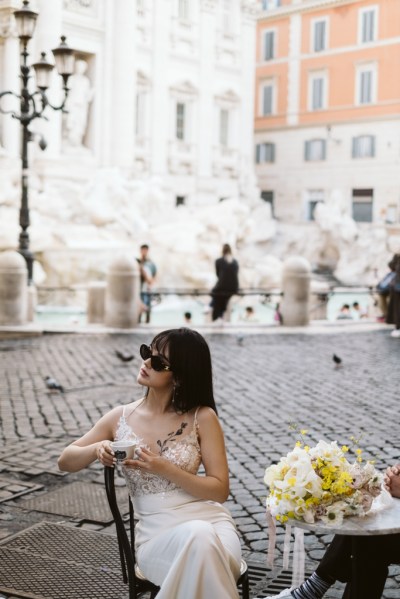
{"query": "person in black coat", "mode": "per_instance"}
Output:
(227, 269)
(393, 313)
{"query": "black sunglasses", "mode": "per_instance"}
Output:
(156, 362)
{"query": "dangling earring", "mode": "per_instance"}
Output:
(175, 393)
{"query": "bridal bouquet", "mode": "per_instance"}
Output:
(320, 483)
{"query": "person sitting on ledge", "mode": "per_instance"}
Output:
(374, 556)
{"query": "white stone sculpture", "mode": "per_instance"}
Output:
(76, 230)
(78, 102)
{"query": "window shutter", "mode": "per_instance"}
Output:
(267, 100)
(323, 149)
(319, 36)
(372, 145)
(258, 153)
(307, 150)
(269, 45)
(354, 152)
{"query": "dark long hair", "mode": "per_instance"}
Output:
(190, 360)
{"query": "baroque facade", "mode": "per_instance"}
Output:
(165, 91)
(327, 107)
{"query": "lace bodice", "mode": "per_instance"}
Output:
(185, 453)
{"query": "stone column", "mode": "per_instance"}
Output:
(295, 305)
(206, 134)
(11, 68)
(13, 289)
(123, 85)
(161, 101)
(122, 294)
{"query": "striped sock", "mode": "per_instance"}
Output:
(314, 587)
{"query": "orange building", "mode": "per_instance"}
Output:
(327, 107)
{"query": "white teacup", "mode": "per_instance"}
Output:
(123, 450)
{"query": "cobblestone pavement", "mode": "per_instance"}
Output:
(262, 383)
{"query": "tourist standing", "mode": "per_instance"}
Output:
(393, 313)
(148, 271)
(227, 270)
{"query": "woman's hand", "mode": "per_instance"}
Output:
(105, 454)
(149, 461)
(392, 480)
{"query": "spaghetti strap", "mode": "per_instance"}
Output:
(195, 423)
(138, 403)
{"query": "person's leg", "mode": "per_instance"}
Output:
(371, 557)
(194, 560)
(335, 565)
(217, 309)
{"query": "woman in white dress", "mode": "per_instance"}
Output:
(186, 541)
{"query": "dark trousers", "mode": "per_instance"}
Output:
(219, 305)
(373, 556)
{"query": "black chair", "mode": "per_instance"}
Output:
(131, 573)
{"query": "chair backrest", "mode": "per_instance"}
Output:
(125, 549)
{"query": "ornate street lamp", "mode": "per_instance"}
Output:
(32, 106)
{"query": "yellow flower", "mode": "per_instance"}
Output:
(291, 481)
(358, 451)
(298, 443)
(345, 448)
(303, 431)
(306, 448)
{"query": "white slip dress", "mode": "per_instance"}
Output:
(188, 546)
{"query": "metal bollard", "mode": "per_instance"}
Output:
(295, 305)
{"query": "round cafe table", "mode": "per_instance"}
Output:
(384, 522)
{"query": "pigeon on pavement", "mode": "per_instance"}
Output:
(53, 385)
(337, 360)
(124, 357)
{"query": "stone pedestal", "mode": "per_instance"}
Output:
(295, 305)
(122, 294)
(32, 299)
(96, 302)
(13, 289)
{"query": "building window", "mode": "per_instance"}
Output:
(315, 149)
(314, 197)
(268, 196)
(271, 4)
(363, 146)
(224, 127)
(267, 99)
(368, 24)
(180, 200)
(363, 205)
(183, 10)
(180, 120)
(269, 45)
(265, 152)
(319, 35)
(317, 92)
(366, 85)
